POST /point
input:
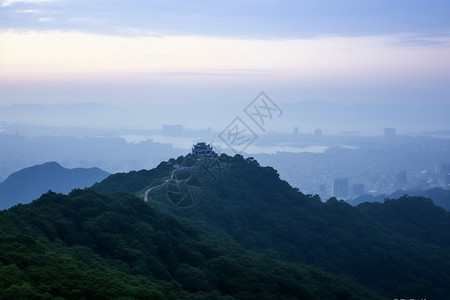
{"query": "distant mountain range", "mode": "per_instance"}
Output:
(30, 183)
(439, 196)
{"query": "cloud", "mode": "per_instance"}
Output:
(46, 19)
(11, 2)
(234, 73)
(27, 11)
(352, 63)
(420, 41)
(240, 19)
(85, 20)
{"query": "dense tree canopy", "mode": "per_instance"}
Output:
(399, 248)
(89, 246)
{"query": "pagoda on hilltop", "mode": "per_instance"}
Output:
(202, 148)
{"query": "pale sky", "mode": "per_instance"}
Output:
(67, 51)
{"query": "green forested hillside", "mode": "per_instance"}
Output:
(400, 248)
(440, 197)
(414, 217)
(90, 246)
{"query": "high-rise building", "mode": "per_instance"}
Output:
(318, 132)
(443, 174)
(340, 188)
(172, 130)
(389, 132)
(402, 178)
(358, 189)
(322, 188)
(295, 130)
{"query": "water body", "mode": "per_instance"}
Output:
(175, 141)
(187, 142)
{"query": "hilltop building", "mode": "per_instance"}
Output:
(202, 148)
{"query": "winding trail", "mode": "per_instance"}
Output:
(177, 168)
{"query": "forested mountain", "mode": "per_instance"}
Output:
(414, 217)
(30, 183)
(440, 197)
(91, 246)
(399, 249)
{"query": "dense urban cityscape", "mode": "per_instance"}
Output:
(342, 166)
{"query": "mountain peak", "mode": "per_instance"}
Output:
(252, 205)
(28, 184)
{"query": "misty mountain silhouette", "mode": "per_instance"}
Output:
(249, 235)
(397, 248)
(439, 196)
(28, 184)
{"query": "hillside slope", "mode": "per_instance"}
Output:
(253, 206)
(30, 183)
(439, 196)
(91, 246)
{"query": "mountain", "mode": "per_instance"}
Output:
(28, 184)
(399, 248)
(439, 196)
(414, 217)
(86, 245)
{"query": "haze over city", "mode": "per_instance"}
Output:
(194, 149)
(212, 54)
(174, 73)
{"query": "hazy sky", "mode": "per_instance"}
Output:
(348, 51)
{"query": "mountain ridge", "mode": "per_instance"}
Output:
(440, 197)
(256, 208)
(89, 245)
(256, 221)
(28, 184)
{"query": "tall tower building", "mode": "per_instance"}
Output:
(389, 132)
(402, 178)
(443, 175)
(340, 188)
